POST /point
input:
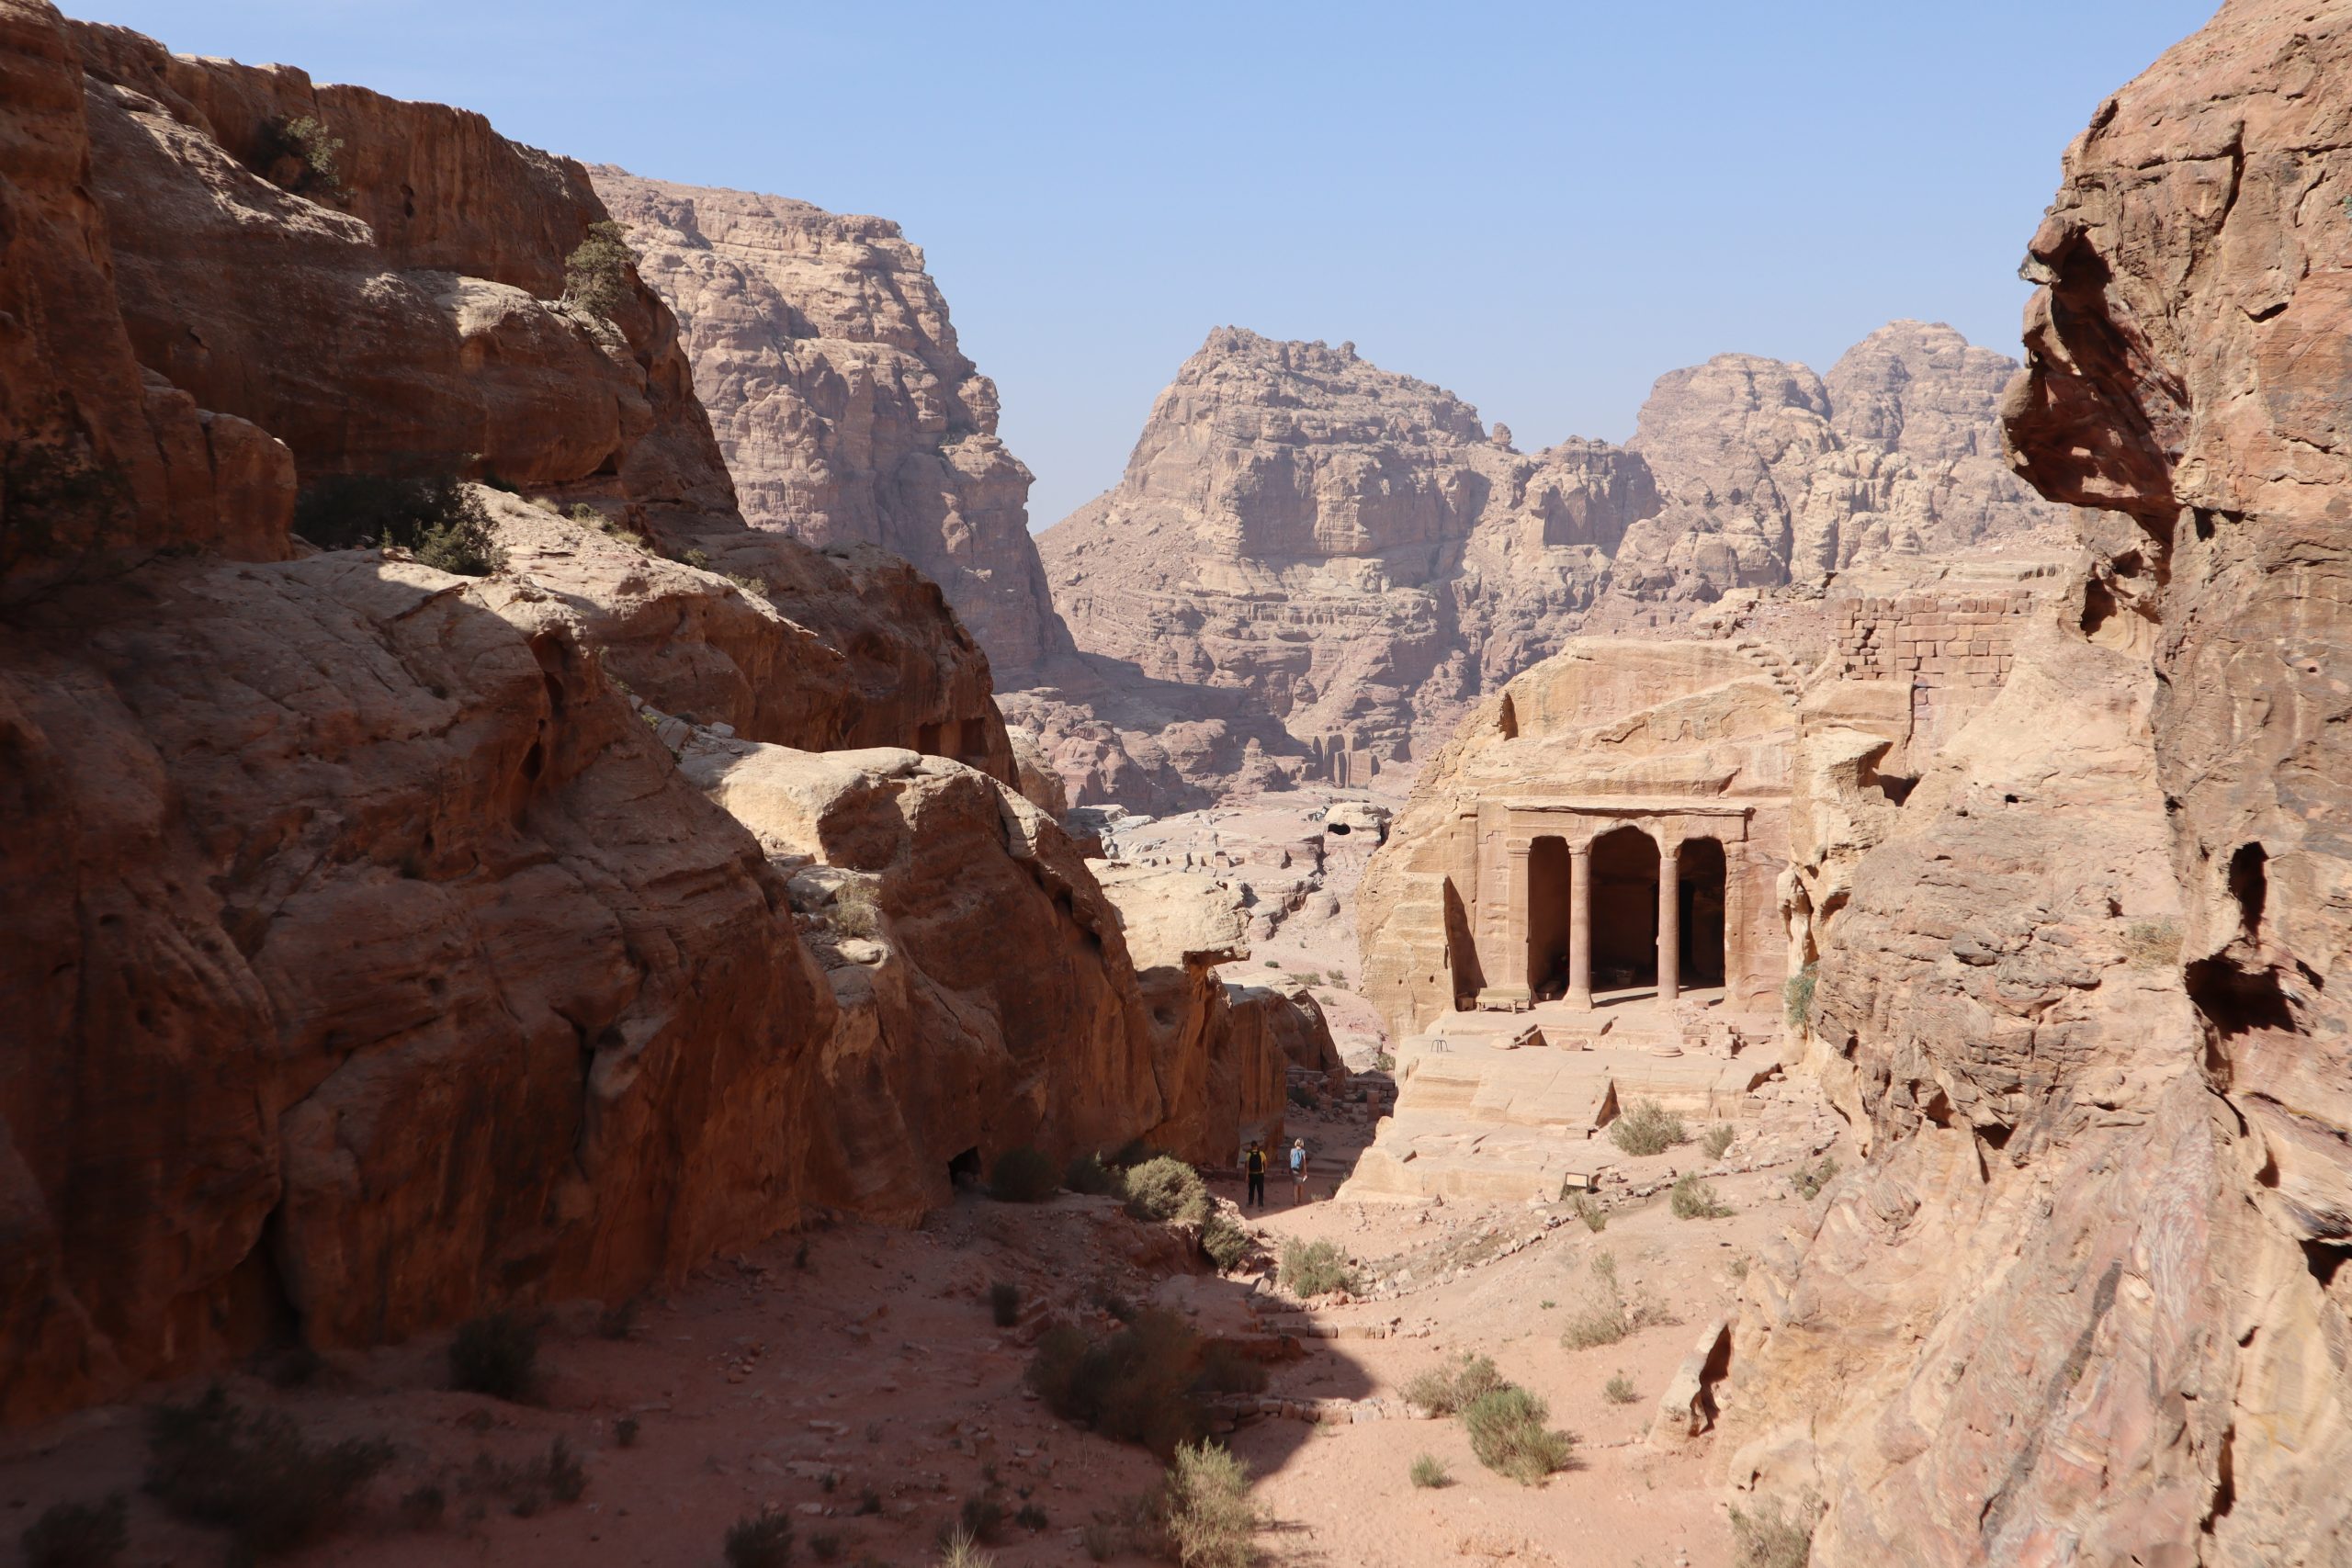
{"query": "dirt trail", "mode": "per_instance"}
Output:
(811, 1372)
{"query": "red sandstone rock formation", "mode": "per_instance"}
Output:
(2088, 1302)
(369, 959)
(1352, 554)
(840, 399)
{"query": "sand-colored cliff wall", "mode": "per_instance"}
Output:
(2088, 1300)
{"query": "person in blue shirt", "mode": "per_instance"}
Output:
(1298, 1171)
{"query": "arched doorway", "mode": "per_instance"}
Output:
(1624, 910)
(1547, 917)
(1700, 867)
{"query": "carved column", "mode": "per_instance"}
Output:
(1580, 926)
(1670, 924)
(1737, 938)
(1515, 921)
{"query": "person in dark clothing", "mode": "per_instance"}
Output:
(1255, 1164)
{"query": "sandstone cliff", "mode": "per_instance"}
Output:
(2087, 1302)
(845, 411)
(1352, 554)
(383, 944)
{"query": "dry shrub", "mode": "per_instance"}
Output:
(762, 1540)
(1448, 1389)
(1088, 1174)
(497, 1355)
(1648, 1128)
(1718, 1140)
(1695, 1200)
(1606, 1316)
(1209, 1516)
(1806, 1181)
(1316, 1268)
(254, 1474)
(1226, 1242)
(1138, 1386)
(1023, 1175)
(1771, 1539)
(1619, 1390)
(1004, 1303)
(1508, 1435)
(1430, 1472)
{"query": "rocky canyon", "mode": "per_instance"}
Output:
(607, 958)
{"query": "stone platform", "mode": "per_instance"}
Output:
(1504, 1106)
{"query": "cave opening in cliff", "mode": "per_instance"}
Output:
(1624, 910)
(1700, 865)
(1548, 891)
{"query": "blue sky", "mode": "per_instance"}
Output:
(1540, 206)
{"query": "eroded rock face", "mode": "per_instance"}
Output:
(1223, 1050)
(371, 960)
(1350, 553)
(845, 408)
(2083, 988)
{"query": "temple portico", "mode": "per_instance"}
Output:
(1580, 895)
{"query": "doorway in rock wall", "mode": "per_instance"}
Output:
(1624, 910)
(1548, 874)
(1701, 870)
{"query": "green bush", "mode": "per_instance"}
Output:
(1165, 1188)
(254, 1474)
(1226, 1242)
(1132, 1153)
(1769, 1538)
(422, 1508)
(1087, 1173)
(1796, 995)
(1508, 1434)
(432, 517)
(595, 276)
(1648, 1128)
(316, 152)
(1718, 1141)
(78, 1535)
(1595, 1218)
(1032, 1518)
(1695, 1200)
(1023, 1175)
(1210, 1519)
(497, 1355)
(1312, 1268)
(1140, 1386)
(1429, 1470)
(1619, 1390)
(764, 1540)
(1808, 1180)
(1452, 1387)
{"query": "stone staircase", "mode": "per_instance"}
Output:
(1775, 665)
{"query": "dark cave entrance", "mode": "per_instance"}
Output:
(1624, 909)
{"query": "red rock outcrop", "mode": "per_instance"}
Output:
(1355, 557)
(843, 406)
(371, 959)
(2087, 1302)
